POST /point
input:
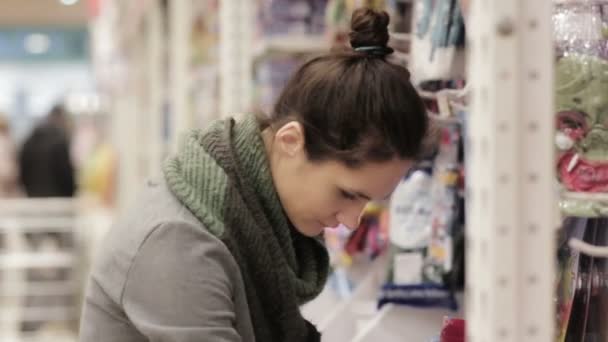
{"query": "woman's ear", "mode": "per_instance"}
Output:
(289, 139)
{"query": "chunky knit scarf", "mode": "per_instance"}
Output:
(223, 177)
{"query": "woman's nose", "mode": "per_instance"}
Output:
(350, 216)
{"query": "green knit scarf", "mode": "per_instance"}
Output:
(223, 177)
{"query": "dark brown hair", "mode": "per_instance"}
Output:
(354, 105)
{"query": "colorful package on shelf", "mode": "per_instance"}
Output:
(453, 330)
(438, 40)
(355, 247)
(204, 33)
(445, 205)
(271, 75)
(401, 12)
(278, 17)
(581, 85)
(371, 237)
(340, 261)
(410, 211)
(424, 218)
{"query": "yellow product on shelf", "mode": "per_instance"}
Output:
(97, 176)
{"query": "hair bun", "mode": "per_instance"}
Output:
(369, 28)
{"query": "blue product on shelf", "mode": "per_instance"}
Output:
(426, 229)
(421, 295)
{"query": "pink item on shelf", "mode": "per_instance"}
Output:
(582, 175)
(453, 330)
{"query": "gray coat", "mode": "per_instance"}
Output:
(162, 277)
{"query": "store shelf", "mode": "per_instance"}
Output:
(132, 15)
(37, 206)
(63, 337)
(342, 322)
(579, 2)
(403, 323)
(36, 260)
(358, 318)
(38, 289)
(38, 225)
(40, 314)
(401, 36)
(582, 204)
(444, 120)
(585, 196)
(292, 44)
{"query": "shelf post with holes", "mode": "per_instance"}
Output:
(180, 21)
(236, 27)
(511, 202)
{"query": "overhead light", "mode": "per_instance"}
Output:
(37, 43)
(68, 2)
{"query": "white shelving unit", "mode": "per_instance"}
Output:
(180, 21)
(128, 44)
(358, 318)
(236, 51)
(293, 44)
(27, 294)
(511, 201)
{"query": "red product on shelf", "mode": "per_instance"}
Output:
(453, 330)
(582, 175)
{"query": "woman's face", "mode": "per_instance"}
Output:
(316, 195)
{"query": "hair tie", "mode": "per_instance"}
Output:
(375, 50)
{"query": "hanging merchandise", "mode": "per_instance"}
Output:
(596, 328)
(581, 85)
(579, 27)
(438, 41)
(582, 283)
(582, 118)
(425, 221)
(581, 140)
(567, 273)
(401, 12)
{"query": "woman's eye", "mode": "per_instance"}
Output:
(348, 195)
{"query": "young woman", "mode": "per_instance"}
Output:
(225, 247)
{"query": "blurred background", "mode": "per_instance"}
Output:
(94, 95)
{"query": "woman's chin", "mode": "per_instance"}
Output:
(310, 229)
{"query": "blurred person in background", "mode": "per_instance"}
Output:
(45, 165)
(8, 164)
(46, 170)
